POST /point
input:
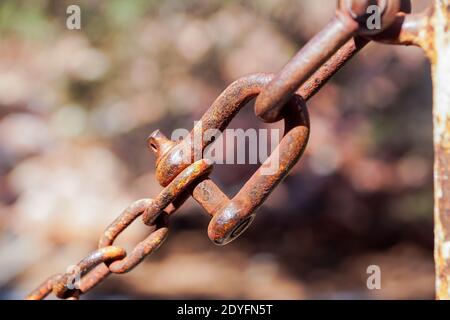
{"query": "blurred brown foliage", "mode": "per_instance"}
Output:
(76, 108)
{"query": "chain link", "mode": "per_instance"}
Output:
(281, 96)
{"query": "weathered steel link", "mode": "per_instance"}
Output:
(182, 171)
(144, 248)
(347, 23)
(175, 188)
(329, 68)
(316, 52)
(59, 283)
(44, 288)
(102, 255)
(111, 259)
(158, 234)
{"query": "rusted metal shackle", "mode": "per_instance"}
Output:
(173, 157)
(234, 216)
(231, 217)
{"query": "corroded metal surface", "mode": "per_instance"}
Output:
(315, 53)
(112, 259)
(182, 171)
(44, 288)
(176, 187)
(102, 255)
(232, 217)
(439, 53)
(329, 68)
(58, 282)
(344, 25)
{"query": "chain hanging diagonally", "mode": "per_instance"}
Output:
(316, 62)
(112, 259)
(337, 42)
(277, 98)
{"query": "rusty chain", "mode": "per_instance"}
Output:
(278, 97)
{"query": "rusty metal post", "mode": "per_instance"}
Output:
(439, 54)
(430, 30)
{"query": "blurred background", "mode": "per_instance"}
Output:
(76, 107)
